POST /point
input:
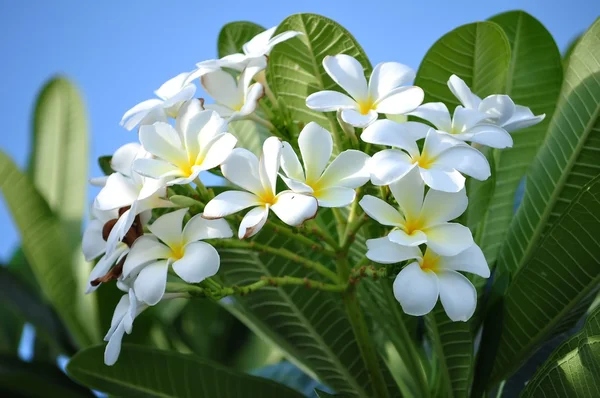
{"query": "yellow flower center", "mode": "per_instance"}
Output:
(423, 160)
(177, 251)
(365, 106)
(430, 262)
(413, 225)
(267, 198)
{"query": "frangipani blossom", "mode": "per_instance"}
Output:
(171, 244)
(440, 162)
(128, 308)
(259, 179)
(500, 108)
(198, 142)
(127, 189)
(383, 94)
(422, 220)
(235, 99)
(332, 185)
(465, 125)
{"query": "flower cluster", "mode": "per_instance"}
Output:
(180, 137)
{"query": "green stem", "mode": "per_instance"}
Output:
(311, 227)
(340, 223)
(202, 190)
(298, 237)
(254, 117)
(352, 230)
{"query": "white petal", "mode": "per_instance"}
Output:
(119, 191)
(202, 68)
(200, 261)
(199, 228)
(98, 181)
(173, 104)
(163, 141)
(469, 260)
(388, 166)
(133, 116)
(357, 119)
(400, 100)
(416, 291)
(458, 295)
(229, 202)
(223, 88)
(387, 76)
(104, 265)
(222, 110)
(157, 169)
(168, 227)
(255, 93)
(415, 239)
(151, 282)
(219, 151)
(387, 132)
(92, 244)
(464, 119)
(123, 158)
(187, 112)
(500, 107)
(349, 169)
(443, 179)
(241, 168)
(233, 61)
(436, 143)
(327, 101)
(348, 73)
(381, 211)
(436, 113)
(113, 348)
(253, 222)
(257, 45)
(384, 251)
(145, 249)
(290, 163)
(294, 208)
(488, 135)
(120, 311)
(316, 146)
(120, 228)
(281, 38)
(448, 239)
(268, 166)
(467, 160)
(297, 186)
(408, 192)
(335, 196)
(440, 207)
(207, 126)
(171, 87)
(463, 93)
(522, 118)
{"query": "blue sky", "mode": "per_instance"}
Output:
(118, 52)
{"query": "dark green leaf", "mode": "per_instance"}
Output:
(234, 35)
(104, 164)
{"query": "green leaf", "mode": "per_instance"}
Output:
(250, 135)
(570, 47)
(573, 369)
(59, 161)
(47, 248)
(147, 372)
(234, 35)
(478, 53)
(555, 287)
(480, 194)
(323, 394)
(296, 66)
(535, 62)
(104, 164)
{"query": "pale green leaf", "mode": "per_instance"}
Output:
(234, 35)
(250, 135)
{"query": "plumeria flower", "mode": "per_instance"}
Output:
(440, 162)
(383, 94)
(259, 178)
(258, 47)
(171, 244)
(422, 220)
(198, 142)
(235, 99)
(332, 185)
(465, 125)
(500, 108)
(127, 189)
(420, 283)
(128, 308)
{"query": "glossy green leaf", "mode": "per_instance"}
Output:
(46, 246)
(250, 135)
(535, 63)
(570, 47)
(234, 35)
(555, 287)
(104, 164)
(147, 372)
(296, 70)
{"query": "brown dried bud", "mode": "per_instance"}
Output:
(107, 228)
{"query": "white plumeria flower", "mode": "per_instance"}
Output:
(383, 94)
(259, 179)
(422, 220)
(199, 142)
(171, 95)
(258, 47)
(126, 188)
(128, 308)
(440, 162)
(420, 283)
(235, 99)
(465, 125)
(171, 244)
(332, 185)
(500, 108)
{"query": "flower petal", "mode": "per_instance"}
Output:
(163, 141)
(119, 191)
(255, 93)
(498, 107)
(92, 244)
(187, 112)
(415, 239)
(469, 260)
(464, 119)
(465, 159)
(104, 265)
(416, 291)
(168, 227)
(408, 192)
(435, 113)
(258, 44)
(241, 168)
(458, 295)
(381, 211)
(199, 228)
(281, 38)
(440, 207)
(123, 158)
(200, 261)
(223, 88)
(400, 100)
(388, 166)
(335, 196)
(387, 132)
(297, 186)
(349, 169)
(316, 146)
(222, 110)
(151, 282)
(253, 222)
(171, 87)
(348, 73)
(443, 179)
(290, 163)
(387, 76)
(268, 166)
(327, 101)
(463, 93)
(522, 118)
(113, 348)
(229, 202)
(488, 135)
(135, 115)
(219, 151)
(145, 249)
(384, 251)
(357, 119)
(295, 208)
(157, 169)
(448, 239)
